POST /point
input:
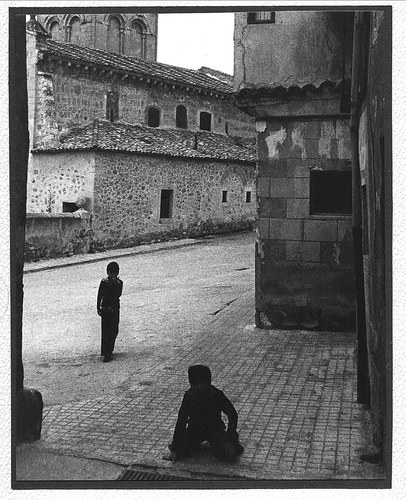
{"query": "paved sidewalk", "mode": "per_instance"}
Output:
(294, 391)
(41, 265)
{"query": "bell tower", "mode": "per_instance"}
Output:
(132, 35)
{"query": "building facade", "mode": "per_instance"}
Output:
(176, 132)
(132, 35)
(318, 85)
(291, 71)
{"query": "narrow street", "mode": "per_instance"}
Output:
(294, 391)
(167, 298)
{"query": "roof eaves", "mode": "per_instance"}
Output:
(82, 59)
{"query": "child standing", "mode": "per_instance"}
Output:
(199, 419)
(108, 307)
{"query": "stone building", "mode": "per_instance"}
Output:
(146, 150)
(129, 34)
(373, 144)
(291, 75)
(318, 85)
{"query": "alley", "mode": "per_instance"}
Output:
(295, 391)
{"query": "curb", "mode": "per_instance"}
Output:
(34, 267)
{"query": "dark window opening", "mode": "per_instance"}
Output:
(226, 127)
(166, 204)
(205, 121)
(261, 17)
(224, 197)
(112, 106)
(181, 116)
(153, 117)
(248, 197)
(330, 192)
(69, 207)
(365, 237)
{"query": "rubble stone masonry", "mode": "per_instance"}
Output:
(127, 197)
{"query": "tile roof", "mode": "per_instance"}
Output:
(102, 135)
(135, 67)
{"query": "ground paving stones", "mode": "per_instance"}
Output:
(295, 393)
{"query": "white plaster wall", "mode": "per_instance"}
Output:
(57, 178)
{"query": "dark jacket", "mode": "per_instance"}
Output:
(108, 297)
(200, 412)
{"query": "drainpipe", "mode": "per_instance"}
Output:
(363, 393)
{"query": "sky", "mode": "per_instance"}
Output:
(196, 40)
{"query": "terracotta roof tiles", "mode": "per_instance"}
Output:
(136, 67)
(103, 135)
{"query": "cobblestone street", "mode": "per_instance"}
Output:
(295, 393)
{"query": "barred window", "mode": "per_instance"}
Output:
(261, 17)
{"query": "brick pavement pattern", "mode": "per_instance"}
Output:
(295, 393)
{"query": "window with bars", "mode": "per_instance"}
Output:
(266, 17)
(112, 106)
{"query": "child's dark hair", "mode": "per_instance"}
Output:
(199, 375)
(113, 267)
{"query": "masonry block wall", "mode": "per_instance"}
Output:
(305, 275)
(128, 190)
(67, 97)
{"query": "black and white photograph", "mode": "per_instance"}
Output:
(201, 246)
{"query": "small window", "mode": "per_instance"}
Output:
(224, 197)
(330, 192)
(166, 204)
(112, 106)
(205, 121)
(261, 17)
(248, 197)
(154, 116)
(226, 128)
(181, 116)
(68, 207)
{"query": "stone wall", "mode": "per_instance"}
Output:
(54, 235)
(128, 189)
(69, 97)
(299, 48)
(57, 178)
(93, 31)
(304, 262)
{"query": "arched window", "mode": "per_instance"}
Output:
(73, 32)
(114, 35)
(181, 116)
(135, 46)
(153, 117)
(55, 30)
(205, 120)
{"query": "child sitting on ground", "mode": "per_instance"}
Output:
(199, 419)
